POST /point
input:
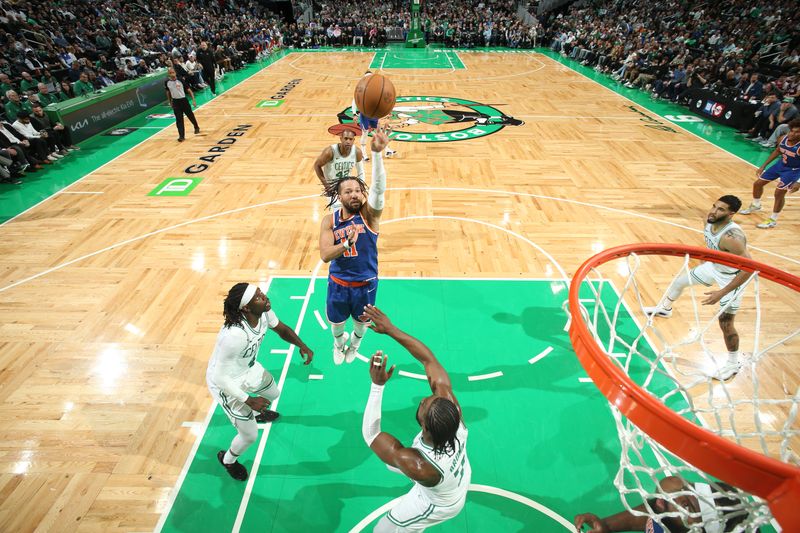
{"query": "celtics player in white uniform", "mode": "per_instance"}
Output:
(234, 374)
(338, 160)
(721, 233)
(437, 460)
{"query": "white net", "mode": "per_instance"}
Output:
(679, 360)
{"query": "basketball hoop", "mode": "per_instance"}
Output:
(707, 452)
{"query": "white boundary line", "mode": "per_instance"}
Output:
(265, 434)
(541, 355)
(321, 322)
(134, 146)
(482, 377)
(315, 196)
(475, 488)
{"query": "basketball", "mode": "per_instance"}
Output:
(375, 96)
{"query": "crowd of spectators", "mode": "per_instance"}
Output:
(56, 51)
(740, 49)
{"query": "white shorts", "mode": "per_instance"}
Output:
(707, 273)
(415, 512)
(258, 381)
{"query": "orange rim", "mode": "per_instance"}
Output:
(770, 479)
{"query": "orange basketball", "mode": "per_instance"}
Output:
(375, 96)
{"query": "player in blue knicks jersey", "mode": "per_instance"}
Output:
(349, 241)
(786, 171)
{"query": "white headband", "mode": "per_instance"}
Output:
(249, 292)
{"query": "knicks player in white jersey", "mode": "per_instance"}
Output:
(234, 374)
(721, 233)
(339, 160)
(437, 460)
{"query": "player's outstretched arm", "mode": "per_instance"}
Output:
(390, 450)
(375, 201)
(286, 333)
(438, 378)
(734, 242)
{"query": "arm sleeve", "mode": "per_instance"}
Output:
(371, 426)
(229, 350)
(360, 169)
(272, 319)
(378, 185)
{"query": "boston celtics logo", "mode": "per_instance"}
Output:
(439, 119)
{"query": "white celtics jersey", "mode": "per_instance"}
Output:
(455, 469)
(236, 350)
(340, 166)
(712, 242)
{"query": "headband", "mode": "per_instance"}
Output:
(249, 292)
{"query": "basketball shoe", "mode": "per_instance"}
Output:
(351, 353)
(235, 469)
(658, 311)
(769, 223)
(728, 370)
(339, 353)
(750, 209)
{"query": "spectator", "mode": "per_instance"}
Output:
(74, 72)
(28, 84)
(66, 89)
(786, 113)
(55, 130)
(754, 90)
(15, 105)
(41, 144)
(82, 86)
(766, 119)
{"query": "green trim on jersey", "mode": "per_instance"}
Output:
(413, 520)
(268, 385)
(229, 411)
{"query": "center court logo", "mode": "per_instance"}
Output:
(440, 119)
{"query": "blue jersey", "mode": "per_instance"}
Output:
(360, 263)
(789, 154)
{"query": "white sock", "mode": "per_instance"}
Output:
(774, 216)
(364, 145)
(733, 357)
(756, 202)
(666, 303)
(230, 458)
(338, 334)
(359, 329)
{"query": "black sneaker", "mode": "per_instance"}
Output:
(267, 416)
(196, 131)
(236, 470)
(181, 139)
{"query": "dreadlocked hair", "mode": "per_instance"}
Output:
(442, 420)
(233, 315)
(332, 191)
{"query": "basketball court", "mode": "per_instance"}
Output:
(512, 169)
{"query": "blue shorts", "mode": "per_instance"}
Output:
(344, 302)
(787, 175)
(367, 123)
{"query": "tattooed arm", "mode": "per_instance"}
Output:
(734, 242)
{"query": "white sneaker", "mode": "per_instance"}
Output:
(351, 353)
(727, 371)
(658, 311)
(750, 209)
(57, 155)
(339, 353)
(769, 223)
(366, 158)
(390, 153)
(51, 158)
